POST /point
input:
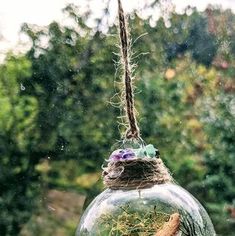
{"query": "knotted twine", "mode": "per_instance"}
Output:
(140, 172)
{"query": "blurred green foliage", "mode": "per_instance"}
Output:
(57, 125)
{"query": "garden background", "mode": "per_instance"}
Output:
(58, 124)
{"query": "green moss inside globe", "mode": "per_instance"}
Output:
(144, 212)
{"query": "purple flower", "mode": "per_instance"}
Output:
(122, 154)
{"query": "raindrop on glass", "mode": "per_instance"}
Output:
(22, 87)
(189, 11)
(167, 24)
(176, 31)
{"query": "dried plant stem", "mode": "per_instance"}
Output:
(171, 227)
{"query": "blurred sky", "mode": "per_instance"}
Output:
(14, 12)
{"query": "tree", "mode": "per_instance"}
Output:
(55, 106)
(18, 136)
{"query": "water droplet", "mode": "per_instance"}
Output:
(22, 87)
(51, 208)
(189, 11)
(176, 31)
(167, 24)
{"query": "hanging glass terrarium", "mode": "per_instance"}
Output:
(141, 198)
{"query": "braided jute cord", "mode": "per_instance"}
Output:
(133, 129)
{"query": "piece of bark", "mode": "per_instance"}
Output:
(171, 227)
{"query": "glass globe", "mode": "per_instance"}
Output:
(144, 212)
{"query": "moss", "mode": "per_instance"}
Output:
(131, 223)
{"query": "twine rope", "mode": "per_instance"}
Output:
(136, 174)
(139, 173)
(133, 129)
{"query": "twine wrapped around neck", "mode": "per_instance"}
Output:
(135, 174)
